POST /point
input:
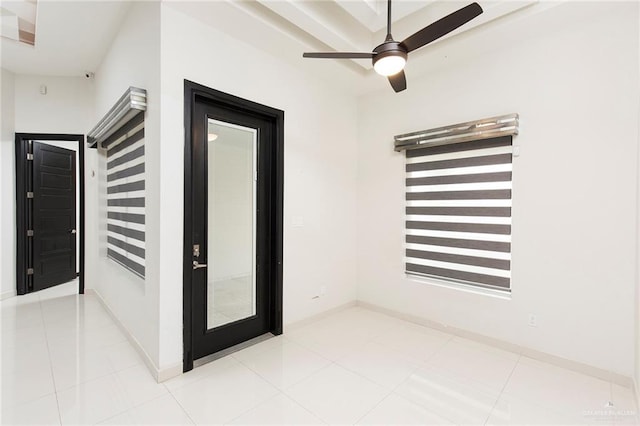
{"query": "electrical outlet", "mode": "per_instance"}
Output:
(323, 290)
(533, 320)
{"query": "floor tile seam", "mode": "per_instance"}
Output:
(280, 393)
(84, 382)
(132, 407)
(502, 390)
(259, 401)
(430, 357)
(478, 385)
(291, 385)
(53, 378)
(123, 397)
(387, 391)
(288, 389)
(415, 367)
(554, 409)
(91, 328)
(374, 407)
(73, 322)
(181, 407)
(198, 379)
(444, 416)
(99, 349)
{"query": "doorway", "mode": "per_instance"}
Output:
(233, 221)
(49, 210)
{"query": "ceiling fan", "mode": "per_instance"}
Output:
(390, 57)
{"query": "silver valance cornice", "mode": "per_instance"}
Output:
(493, 127)
(128, 106)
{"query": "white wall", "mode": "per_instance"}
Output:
(7, 187)
(132, 60)
(67, 108)
(320, 143)
(571, 72)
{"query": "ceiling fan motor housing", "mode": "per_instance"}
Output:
(389, 48)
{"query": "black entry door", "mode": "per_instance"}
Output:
(53, 215)
(233, 224)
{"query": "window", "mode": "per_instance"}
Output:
(458, 210)
(126, 195)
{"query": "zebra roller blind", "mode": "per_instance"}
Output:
(458, 212)
(126, 195)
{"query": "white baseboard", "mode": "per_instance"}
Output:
(159, 374)
(599, 373)
(8, 294)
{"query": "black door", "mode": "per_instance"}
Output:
(53, 215)
(233, 226)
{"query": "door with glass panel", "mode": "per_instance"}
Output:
(233, 250)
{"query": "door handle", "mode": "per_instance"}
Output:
(197, 265)
(72, 231)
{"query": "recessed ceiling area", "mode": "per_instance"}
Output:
(19, 20)
(72, 38)
(360, 25)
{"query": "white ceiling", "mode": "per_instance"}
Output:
(73, 36)
(360, 25)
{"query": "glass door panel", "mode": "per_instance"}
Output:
(231, 223)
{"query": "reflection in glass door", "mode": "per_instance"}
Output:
(231, 224)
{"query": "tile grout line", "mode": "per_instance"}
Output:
(53, 378)
(506, 382)
(180, 405)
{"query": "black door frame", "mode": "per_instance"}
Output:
(192, 92)
(21, 142)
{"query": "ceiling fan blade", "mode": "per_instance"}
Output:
(398, 81)
(442, 27)
(339, 55)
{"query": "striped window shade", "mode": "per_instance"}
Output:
(126, 195)
(458, 212)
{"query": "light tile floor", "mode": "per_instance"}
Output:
(64, 361)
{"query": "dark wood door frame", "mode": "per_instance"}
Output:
(22, 177)
(195, 92)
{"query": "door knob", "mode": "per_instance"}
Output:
(72, 231)
(197, 265)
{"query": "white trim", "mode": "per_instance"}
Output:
(160, 375)
(579, 367)
(8, 294)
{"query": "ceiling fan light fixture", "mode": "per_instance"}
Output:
(389, 65)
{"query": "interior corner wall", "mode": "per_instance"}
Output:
(133, 59)
(7, 187)
(574, 183)
(320, 160)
